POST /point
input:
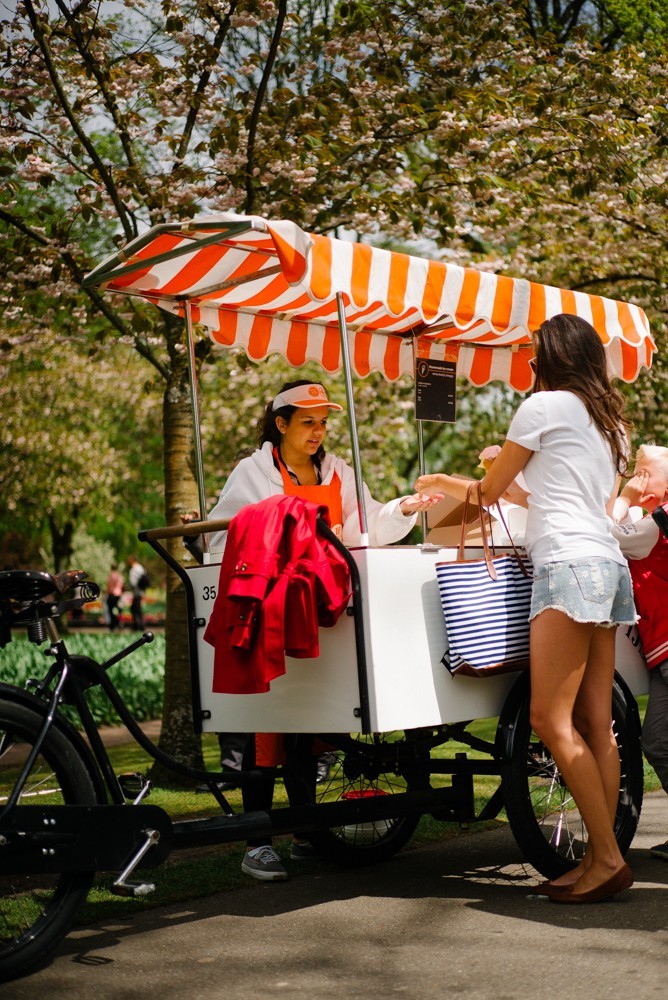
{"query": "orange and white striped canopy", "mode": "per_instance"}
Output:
(269, 287)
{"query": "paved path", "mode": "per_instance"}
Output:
(445, 921)
(114, 736)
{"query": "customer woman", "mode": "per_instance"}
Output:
(292, 460)
(569, 440)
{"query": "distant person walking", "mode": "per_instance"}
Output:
(138, 580)
(113, 597)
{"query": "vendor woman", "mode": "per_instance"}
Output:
(292, 460)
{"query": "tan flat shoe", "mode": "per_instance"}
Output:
(622, 879)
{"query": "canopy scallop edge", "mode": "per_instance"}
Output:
(269, 287)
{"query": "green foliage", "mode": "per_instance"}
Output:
(610, 23)
(524, 137)
(641, 21)
(139, 678)
(72, 434)
(97, 557)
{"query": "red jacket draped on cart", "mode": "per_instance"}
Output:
(278, 582)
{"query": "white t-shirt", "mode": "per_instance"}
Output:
(571, 477)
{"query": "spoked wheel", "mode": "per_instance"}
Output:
(541, 812)
(378, 764)
(36, 911)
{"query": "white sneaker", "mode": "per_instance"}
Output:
(264, 863)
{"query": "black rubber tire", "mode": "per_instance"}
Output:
(36, 912)
(359, 771)
(540, 809)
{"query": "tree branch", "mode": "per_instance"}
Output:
(614, 279)
(140, 344)
(202, 83)
(99, 74)
(77, 273)
(76, 11)
(23, 227)
(105, 174)
(257, 106)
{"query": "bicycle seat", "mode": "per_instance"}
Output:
(25, 585)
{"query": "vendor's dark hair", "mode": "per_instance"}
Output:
(267, 429)
(570, 356)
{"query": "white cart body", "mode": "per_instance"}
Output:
(405, 638)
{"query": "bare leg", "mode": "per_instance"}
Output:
(579, 675)
(593, 713)
(592, 717)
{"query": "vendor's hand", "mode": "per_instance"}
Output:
(419, 502)
(431, 485)
(634, 491)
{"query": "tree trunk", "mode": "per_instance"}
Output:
(177, 737)
(61, 545)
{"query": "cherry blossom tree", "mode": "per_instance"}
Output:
(516, 135)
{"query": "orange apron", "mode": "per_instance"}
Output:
(326, 496)
(269, 748)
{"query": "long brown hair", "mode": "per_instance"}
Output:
(570, 356)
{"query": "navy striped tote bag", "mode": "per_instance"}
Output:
(486, 603)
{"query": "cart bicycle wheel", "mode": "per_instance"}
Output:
(377, 764)
(36, 911)
(541, 811)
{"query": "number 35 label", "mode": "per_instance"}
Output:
(209, 593)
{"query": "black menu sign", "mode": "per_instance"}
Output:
(435, 390)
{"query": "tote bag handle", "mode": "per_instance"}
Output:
(476, 487)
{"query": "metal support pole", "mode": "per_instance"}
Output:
(420, 439)
(352, 420)
(197, 439)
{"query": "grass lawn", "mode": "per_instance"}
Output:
(203, 871)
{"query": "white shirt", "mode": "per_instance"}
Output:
(571, 476)
(255, 478)
(135, 574)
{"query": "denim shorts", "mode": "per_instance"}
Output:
(587, 590)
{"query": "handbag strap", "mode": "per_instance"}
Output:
(518, 554)
(476, 486)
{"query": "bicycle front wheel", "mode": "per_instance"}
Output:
(36, 911)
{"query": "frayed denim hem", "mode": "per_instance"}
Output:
(581, 621)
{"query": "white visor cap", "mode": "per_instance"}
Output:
(304, 397)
